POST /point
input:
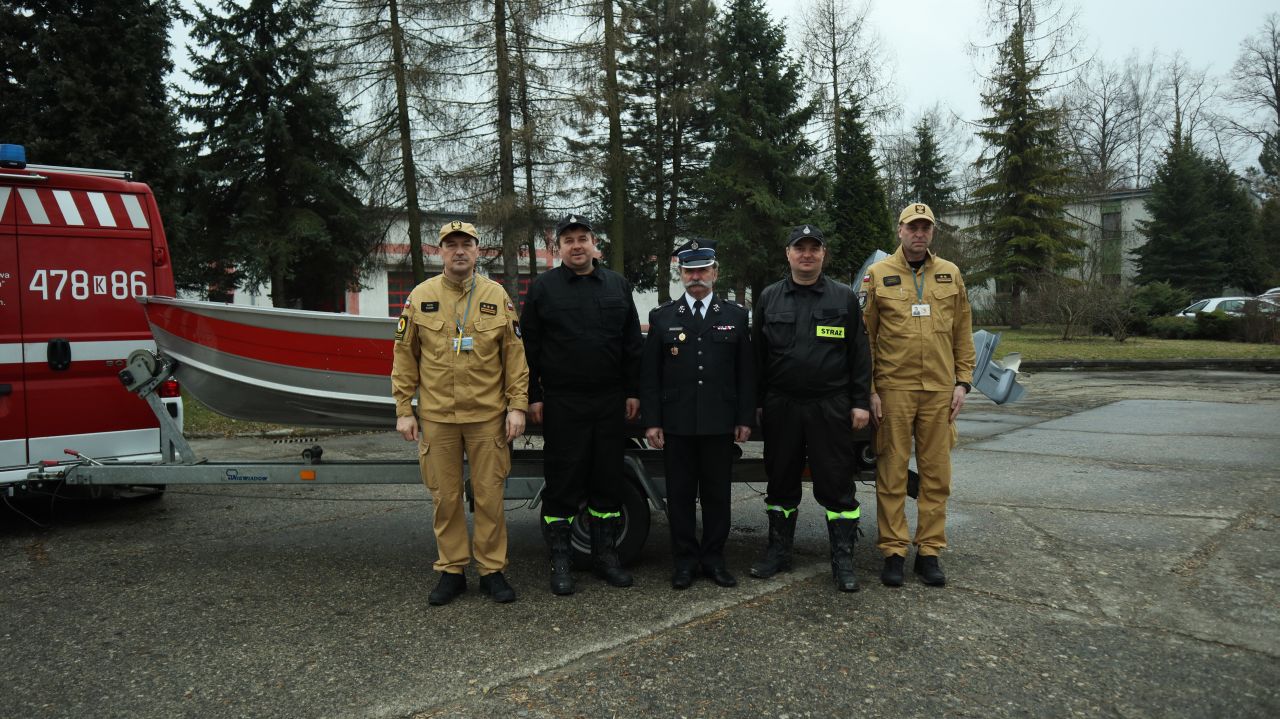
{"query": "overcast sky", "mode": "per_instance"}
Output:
(928, 39)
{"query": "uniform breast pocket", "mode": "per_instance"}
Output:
(893, 308)
(486, 338)
(673, 344)
(943, 309)
(724, 336)
(780, 328)
(829, 324)
(431, 335)
(613, 312)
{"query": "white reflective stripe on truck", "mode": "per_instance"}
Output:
(10, 353)
(35, 208)
(102, 209)
(70, 213)
(134, 208)
(83, 351)
(4, 199)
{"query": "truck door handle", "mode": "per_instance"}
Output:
(59, 355)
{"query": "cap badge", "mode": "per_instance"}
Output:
(806, 229)
(573, 219)
(920, 209)
(693, 245)
(455, 225)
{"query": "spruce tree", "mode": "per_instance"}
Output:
(665, 84)
(274, 176)
(757, 183)
(1024, 233)
(930, 176)
(859, 210)
(1202, 236)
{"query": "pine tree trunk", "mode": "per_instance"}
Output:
(506, 155)
(613, 102)
(406, 146)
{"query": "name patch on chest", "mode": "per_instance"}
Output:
(488, 308)
(828, 331)
(430, 306)
(942, 277)
(892, 280)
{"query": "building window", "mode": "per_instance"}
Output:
(1109, 253)
(399, 285)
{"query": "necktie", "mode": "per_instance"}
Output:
(697, 309)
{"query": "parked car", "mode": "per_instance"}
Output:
(1228, 305)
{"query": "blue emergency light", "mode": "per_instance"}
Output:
(13, 157)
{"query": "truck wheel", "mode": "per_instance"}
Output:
(635, 528)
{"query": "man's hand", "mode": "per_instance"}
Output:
(535, 413)
(655, 437)
(633, 407)
(408, 428)
(741, 433)
(860, 418)
(957, 401)
(515, 424)
(877, 412)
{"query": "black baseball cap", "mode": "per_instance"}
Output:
(570, 221)
(800, 232)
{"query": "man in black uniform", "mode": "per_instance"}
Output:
(814, 364)
(698, 398)
(582, 342)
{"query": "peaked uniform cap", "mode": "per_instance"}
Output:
(696, 253)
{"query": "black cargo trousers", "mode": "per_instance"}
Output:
(816, 431)
(583, 440)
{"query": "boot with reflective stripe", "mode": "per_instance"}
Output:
(604, 552)
(557, 534)
(777, 556)
(843, 533)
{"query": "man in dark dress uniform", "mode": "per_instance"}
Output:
(582, 342)
(814, 365)
(697, 398)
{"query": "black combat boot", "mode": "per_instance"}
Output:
(777, 556)
(450, 586)
(843, 533)
(891, 575)
(604, 551)
(930, 571)
(557, 533)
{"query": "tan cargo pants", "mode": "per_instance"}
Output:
(923, 415)
(440, 453)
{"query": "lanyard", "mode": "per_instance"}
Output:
(919, 285)
(471, 293)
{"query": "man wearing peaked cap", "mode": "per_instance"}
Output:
(583, 344)
(814, 373)
(457, 348)
(921, 334)
(697, 398)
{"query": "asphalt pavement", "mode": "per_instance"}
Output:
(1114, 553)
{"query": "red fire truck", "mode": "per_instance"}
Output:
(76, 247)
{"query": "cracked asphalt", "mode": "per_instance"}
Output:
(1113, 554)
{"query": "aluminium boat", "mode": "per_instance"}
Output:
(319, 369)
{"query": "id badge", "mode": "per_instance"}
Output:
(467, 343)
(919, 310)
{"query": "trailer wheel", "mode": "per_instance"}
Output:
(635, 528)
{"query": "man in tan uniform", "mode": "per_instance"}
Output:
(921, 332)
(458, 349)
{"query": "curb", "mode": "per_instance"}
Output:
(1239, 365)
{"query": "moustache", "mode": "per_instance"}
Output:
(697, 283)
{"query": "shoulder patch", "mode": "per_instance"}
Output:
(401, 326)
(892, 280)
(942, 277)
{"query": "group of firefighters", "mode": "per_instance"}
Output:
(816, 362)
